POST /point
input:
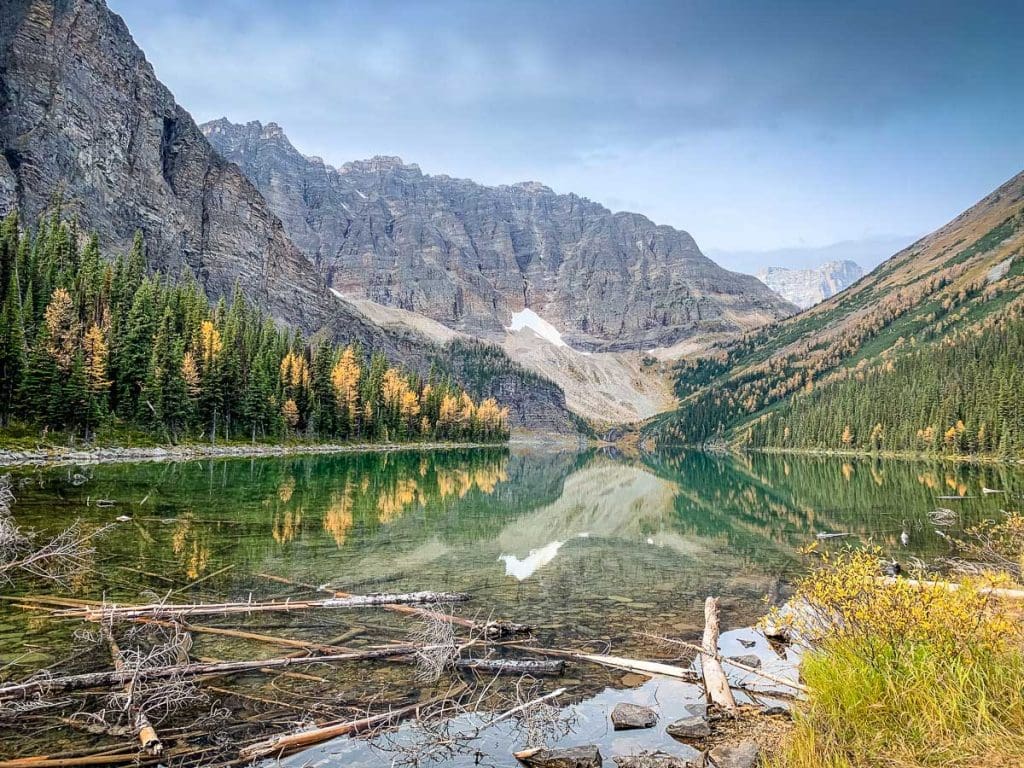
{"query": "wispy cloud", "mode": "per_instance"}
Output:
(699, 112)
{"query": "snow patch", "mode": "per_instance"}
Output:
(527, 318)
(537, 559)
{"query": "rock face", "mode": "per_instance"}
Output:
(82, 114)
(807, 287)
(471, 256)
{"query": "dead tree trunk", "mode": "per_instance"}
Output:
(715, 682)
(156, 610)
(511, 666)
(114, 678)
(292, 742)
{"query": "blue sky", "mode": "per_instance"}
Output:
(755, 126)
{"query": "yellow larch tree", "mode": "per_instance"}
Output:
(96, 356)
(62, 325)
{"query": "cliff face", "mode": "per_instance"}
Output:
(82, 114)
(807, 287)
(470, 256)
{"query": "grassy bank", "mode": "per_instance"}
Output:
(910, 674)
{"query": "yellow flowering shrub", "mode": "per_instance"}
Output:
(846, 598)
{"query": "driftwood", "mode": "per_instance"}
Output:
(511, 666)
(739, 665)
(144, 730)
(73, 762)
(716, 684)
(952, 586)
(490, 629)
(618, 662)
(293, 742)
(115, 678)
(130, 612)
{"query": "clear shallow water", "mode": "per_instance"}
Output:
(591, 549)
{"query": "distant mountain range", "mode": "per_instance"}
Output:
(807, 287)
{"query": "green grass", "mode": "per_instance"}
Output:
(912, 707)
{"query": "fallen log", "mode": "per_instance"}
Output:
(716, 684)
(489, 629)
(157, 610)
(511, 666)
(108, 679)
(526, 705)
(293, 742)
(144, 730)
(952, 586)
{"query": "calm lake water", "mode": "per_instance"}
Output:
(590, 548)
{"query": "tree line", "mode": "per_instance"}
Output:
(88, 342)
(961, 395)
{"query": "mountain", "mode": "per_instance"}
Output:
(807, 287)
(83, 117)
(471, 256)
(832, 374)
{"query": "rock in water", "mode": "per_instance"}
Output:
(748, 659)
(689, 728)
(653, 760)
(568, 757)
(627, 716)
(743, 754)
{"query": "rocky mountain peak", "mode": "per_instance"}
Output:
(807, 287)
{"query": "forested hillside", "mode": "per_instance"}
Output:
(923, 354)
(88, 344)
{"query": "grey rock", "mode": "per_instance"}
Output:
(470, 256)
(626, 716)
(689, 728)
(749, 659)
(743, 754)
(774, 710)
(568, 757)
(654, 760)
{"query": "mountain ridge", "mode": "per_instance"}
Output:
(960, 279)
(471, 256)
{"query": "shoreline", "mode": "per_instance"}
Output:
(57, 456)
(987, 459)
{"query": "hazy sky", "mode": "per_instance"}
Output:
(754, 126)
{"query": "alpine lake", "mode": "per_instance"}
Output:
(598, 552)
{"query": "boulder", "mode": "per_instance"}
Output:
(567, 757)
(689, 728)
(628, 716)
(655, 760)
(749, 659)
(742, 754)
